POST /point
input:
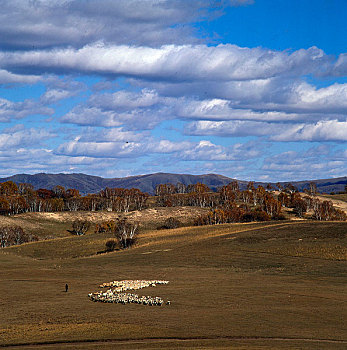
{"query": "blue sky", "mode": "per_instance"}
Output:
(254, 90)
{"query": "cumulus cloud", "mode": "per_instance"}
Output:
(321, 131)
(117, 143)
(331, 130)
(294, 165)
(300, 113)
(101, 149)
(137, 119)
(122, 99)
(35, 160)
(8, 78)
(136, 110)
(18, 110)
(291, 96)
(58, 89)
(232, 128)
(112, 134)
(172, 62)
(222, 110)
(20, 137)
(206, 150)
(167, 76)
(340, 67)
(25, 24)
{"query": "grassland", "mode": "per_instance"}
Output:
(339, 196)
(277, 285)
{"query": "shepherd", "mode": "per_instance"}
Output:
(66, 287)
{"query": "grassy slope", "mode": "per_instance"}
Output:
(53, 225)
(227, 283)
(341, 196)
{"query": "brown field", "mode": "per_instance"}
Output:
(273, 285)
(53, 225)
(339, 200)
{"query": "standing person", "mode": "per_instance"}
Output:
(66, 287)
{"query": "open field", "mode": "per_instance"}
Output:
(53, 225)
(339, 200)
(273, 285)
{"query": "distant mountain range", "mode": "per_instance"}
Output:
(147, 183)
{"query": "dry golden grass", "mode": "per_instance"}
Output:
(277, 285)
(53, 225)
(339, 201)
(340, 196)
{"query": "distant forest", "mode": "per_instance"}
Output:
(147, 183)
(228, 204)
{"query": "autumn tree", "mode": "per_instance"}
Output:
(126, 232)
(300, 206)
(227, 194)
(181, 188)
(171, 223)
(14, 235)
(312, 188)
(260, 195)
(279, 186)
(4, 206)
(8, 188)
(290, 188)
(80, 227)
(324, 211)
(111, 245)
(284, 199)
(59, 191)
(272, 206)
(108, 226)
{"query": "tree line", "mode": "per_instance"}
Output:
(230, 204)
(23, 198)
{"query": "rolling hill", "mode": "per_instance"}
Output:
(147, 183)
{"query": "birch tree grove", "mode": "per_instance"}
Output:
(23, 198)
(124, 231)
(14, 235)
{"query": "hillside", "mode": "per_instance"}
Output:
(92, 184)
(223, 279)
(147, 183)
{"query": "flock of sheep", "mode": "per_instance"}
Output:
(117, 296)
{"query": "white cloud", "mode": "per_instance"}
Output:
(122, 99)
(172, 62)
(83, 115)
(340, 68)
(135, 110)
(19, 138)
(137, 119)
(124, 145)
(25, 24)
(112, 135)
(101, 149)
(331, 130)
(18, 110)
(222, 110)
(320, 161)
(58, 89)
(113, 145)
(232, 128)
(166, 74)
(8, 78)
